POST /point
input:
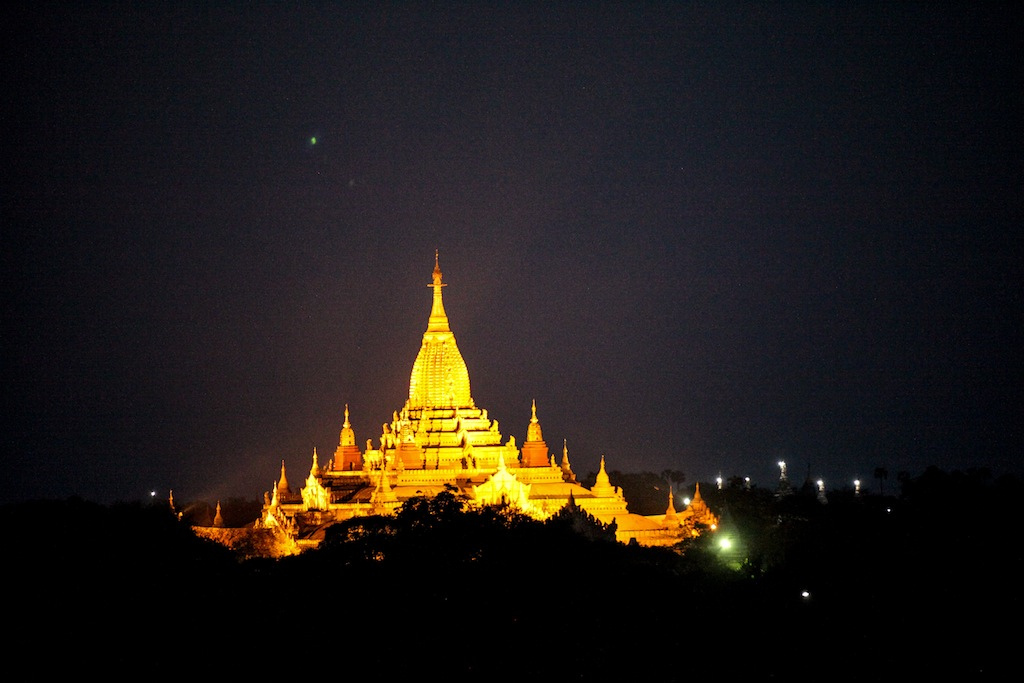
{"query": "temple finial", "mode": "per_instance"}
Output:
(437, 271)
(438, 321)
(534, 418)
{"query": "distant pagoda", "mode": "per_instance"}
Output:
(439, 438)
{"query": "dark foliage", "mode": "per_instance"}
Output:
(897, 587)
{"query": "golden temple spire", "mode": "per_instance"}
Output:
(603, 486)
(567, 473)
(348, 435)
(438, 319)
(218, 520)
(535, 451)
(696, 495)
(282, 484)
(533, 432)
(347, 455)
(670, 514)
(439, 375)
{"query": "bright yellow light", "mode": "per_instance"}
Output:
(725, 543)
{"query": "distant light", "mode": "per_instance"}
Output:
(686, 501)
(805, 594)
(312, 140)
(725, 543)
(152, 494)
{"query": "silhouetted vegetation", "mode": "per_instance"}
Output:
(914, 584)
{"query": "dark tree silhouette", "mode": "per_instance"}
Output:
(881, 474)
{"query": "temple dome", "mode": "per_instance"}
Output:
(439, 374)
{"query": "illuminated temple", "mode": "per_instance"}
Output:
(441, 438)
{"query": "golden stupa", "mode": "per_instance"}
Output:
(440, 438)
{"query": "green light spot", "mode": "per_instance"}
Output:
(312, 140)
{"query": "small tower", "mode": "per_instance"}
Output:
(347, 457)
(282, 483)
(698, 512)
(535, 450)
(671, 518)
(314, 470)
(218, 520)
(567, 473)
(603, 486)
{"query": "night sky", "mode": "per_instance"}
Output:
(703, 236)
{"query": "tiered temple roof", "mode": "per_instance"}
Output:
(440, 438)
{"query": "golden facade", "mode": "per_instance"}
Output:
(441, 438)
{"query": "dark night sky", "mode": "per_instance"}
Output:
(703, 236)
